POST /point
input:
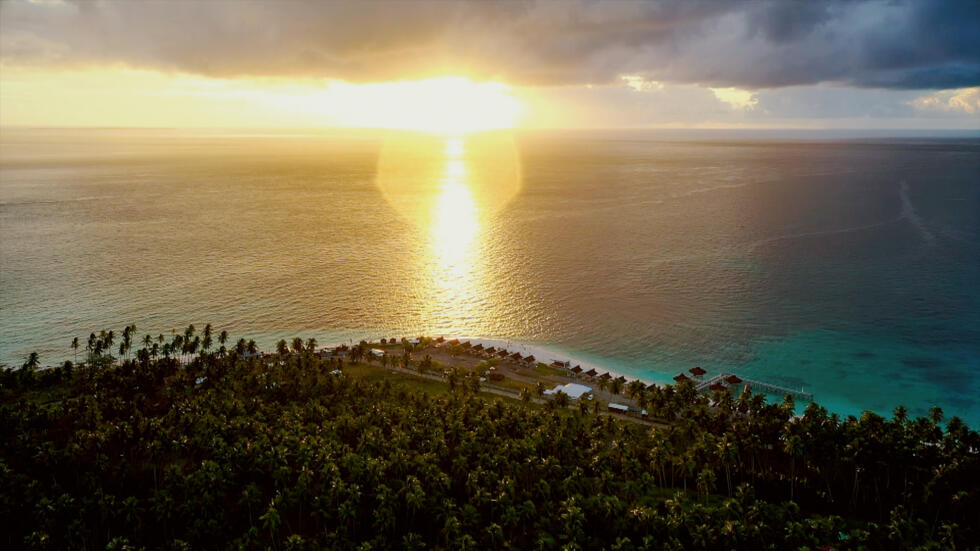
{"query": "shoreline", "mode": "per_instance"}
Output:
(542, 353)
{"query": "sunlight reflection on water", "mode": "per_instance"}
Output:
(450, 188)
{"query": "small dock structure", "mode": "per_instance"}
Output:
(756, 385)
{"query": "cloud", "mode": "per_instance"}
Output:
(738, 99)
(964, 100)
(746, 45)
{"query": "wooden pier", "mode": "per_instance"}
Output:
(769, 388)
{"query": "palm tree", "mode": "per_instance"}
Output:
(311, 344)
(282, 348)
(91, 345)
(561, 399)
(297, 345)
(74, 346)
(206, 343)
(525, 395)
(32, 361)
(793, 446)
(706, 482)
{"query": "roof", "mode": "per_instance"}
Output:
(491, 350)
(440, 339)
(697, 370)
(591, 372)
(454, 341)
(573, 390)
(733, 379)
(478, 346)
(516, 355)
(718, 386)
(605, 376)
(502, 353)
(529, 359)
(577, 369)
(681, 377)
(414, 341)
(618, 407)
(377, 352)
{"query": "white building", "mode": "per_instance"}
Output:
(573, 390)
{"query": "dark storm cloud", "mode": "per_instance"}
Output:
(901, 44)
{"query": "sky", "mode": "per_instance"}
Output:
(857, 64)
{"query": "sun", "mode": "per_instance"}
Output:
(445, 105)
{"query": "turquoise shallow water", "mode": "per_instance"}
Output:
(849, 268)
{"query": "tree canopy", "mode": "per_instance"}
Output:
(233, 450)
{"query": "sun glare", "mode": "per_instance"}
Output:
(448, 105)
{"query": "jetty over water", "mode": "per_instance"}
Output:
(755, 385)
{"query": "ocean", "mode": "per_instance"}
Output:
(849, 268)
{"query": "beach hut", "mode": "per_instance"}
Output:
(732, 380)
(478, 347)
(718, 386)
(590, 373)
(454, 342)
(384, 341)
(621, 379)
(467, 344)
(577, 369)
(682, 377)
(697, 371)
(605, 376)
(440, 340)
(530, 360)
(516, 356)
(502, 353)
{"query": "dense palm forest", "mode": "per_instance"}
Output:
(227, 449)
